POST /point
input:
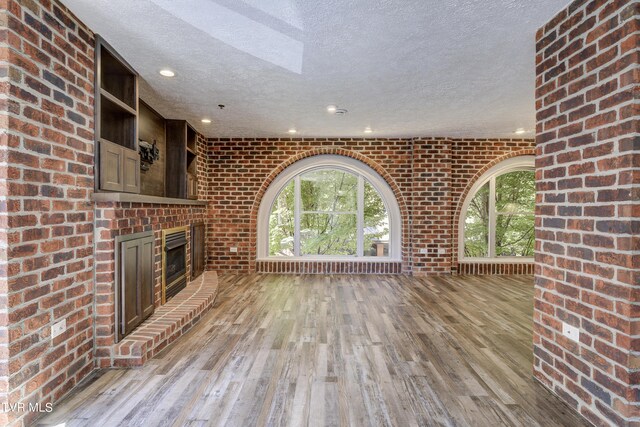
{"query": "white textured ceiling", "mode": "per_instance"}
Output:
(404, 68)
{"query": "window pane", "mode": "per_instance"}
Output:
(516, 192)
(281, 223)
(328, 234)
(514, 235)
(329, 191)
(376, 223)
(476, 225)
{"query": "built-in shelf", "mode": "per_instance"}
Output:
(181, 179)
(116, 102)
(116, 122)
(172, 174)
(141, 198)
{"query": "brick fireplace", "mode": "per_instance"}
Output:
(122, 218)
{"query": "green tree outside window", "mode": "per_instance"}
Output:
(513, 217)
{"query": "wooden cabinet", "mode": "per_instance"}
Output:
(197, 249)
(192, 163)
(116, 109)
(131, 179)
(119, 168)
(181, 166)
(192, 186)
(111, 166)
(135, 268)
(121, 119)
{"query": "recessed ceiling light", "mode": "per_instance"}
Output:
(206, 121)
(331, 109)
(520, 131)
(368, 130)
(167, 73)
(292, 131)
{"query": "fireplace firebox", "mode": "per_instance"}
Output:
(174, 262)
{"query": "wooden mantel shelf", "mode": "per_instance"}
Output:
(141, 198)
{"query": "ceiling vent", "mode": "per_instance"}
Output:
(340, 112)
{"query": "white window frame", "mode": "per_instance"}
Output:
(330, 161)
(521, 163)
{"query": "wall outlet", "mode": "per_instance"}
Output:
(58, 328)
(423, 251)
(233, 249)
(442, 251)
(571, 332)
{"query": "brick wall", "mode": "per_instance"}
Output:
(432, 215)
(47, 213)
(587, 226)
(46, 181)
(119, 219)
(242, 169)
(428, 176)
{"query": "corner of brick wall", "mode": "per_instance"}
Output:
(587, 224)
(46, 182)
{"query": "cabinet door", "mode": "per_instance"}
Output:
(136, 282)
(192, 187)
(197, 250)
(131, 311)
(131, 172)
(111, 166)
(146, 276)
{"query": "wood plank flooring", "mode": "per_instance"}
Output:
(338, 350)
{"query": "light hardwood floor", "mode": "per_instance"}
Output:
(338, 350)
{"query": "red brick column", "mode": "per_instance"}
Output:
(432, 213)
(587, 223)
(46, 75)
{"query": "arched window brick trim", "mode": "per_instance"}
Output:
(390, 182)
(480, 178)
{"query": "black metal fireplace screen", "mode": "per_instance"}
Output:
(175, 265)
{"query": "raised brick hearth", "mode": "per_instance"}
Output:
(168, 323)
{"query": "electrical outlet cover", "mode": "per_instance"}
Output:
(571, 332)
(58, 328)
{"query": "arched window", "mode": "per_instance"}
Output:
(497, 218)
(329, 206)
